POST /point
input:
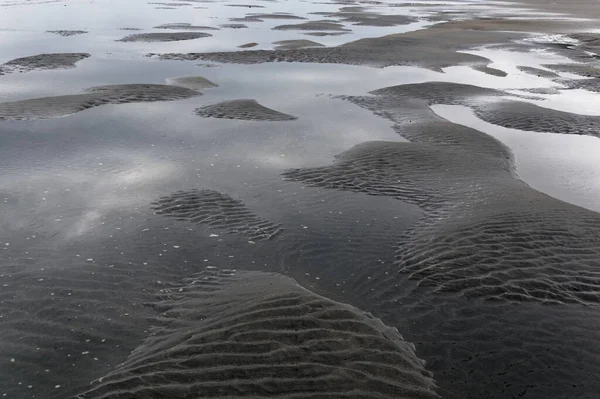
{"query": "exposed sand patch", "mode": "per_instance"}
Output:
(68, 32)
(530, 117)
(316, 25)
(246, 19)
(295, 44)
(434, 48)
(360, 17)
(465, 182)
(164, 37)
(198, 83)
(248, 110)
(538, 72)
(234, 26)
(260, 335)
(53, 107)
(248, 45)
(43, 62)
(245, 5)
(325, 33)
(217, 210)
(275, 16)
(184, 26)
(490, 71)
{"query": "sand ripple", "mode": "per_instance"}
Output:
(253, 334)
(248, 110)
(217, 210)
(52, 107)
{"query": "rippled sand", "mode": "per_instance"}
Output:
(299, 220)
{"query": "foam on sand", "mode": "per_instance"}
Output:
(248, 110)
(230, 334)
(53, 107)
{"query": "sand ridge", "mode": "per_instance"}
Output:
(43, 62)
(245, 109)
(231, 333)
(53, 107)
(164, 37)
(483, 221)
(217, 210)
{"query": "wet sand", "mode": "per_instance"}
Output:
(299, 220)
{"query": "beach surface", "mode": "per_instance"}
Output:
(300, 199)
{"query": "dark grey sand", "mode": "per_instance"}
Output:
(248, 45)
(233, 26)
(164, 37)
(538, 72)
(487, 239)
(316, 25)
(531, 117)
(246, 19)
(275, 16)
(184, 26)
(497, 284)
(245, 5)
(325, 33)
(248, 110)
(198, 83)
(43, 62)
(295, 44)
(53, 107)
(433, 48)
(490, 71)
(68, 32)
(218, 211)
(359, 16)
(257, 335)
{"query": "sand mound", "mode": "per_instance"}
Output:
(52, 107)
(192, 82)
(43, 62)
(485, 233)
(248, 110)
(246, 19)
(538, 72)
(164, 37)
(358, 16)
(294, 44)
(490, 71)
(68, 32)
(433, 48)
(184, 26)
(530, 117)
(245, 5)
(275, 16)
(230, 334)
(321, 34)
(233, 26)
(218, 211)
(438, 92)
(248, 45)
(316, 25)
